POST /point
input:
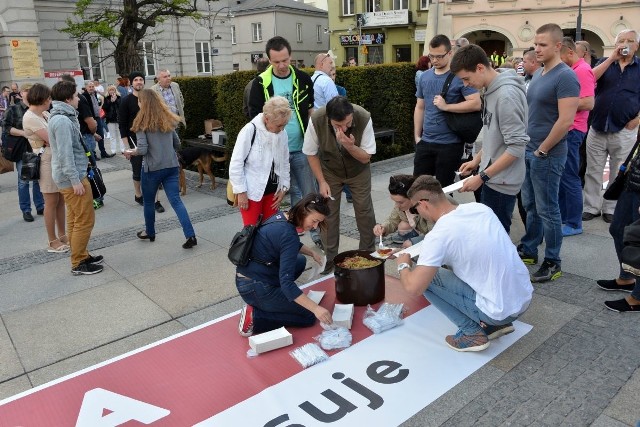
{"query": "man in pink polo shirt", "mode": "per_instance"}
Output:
(570, 196)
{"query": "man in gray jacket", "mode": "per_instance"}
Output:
(504, 134)
(69, 169)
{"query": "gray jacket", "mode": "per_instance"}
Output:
(69, 159)
(505, 129)
(158, 149)
(177, 94)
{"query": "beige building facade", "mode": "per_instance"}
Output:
(509, 25)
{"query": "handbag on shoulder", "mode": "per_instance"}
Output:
(241, 244)
(94, 175)
(619, 183)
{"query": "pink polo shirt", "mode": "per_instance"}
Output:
(587, 88)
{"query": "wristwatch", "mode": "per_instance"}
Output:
(484, 176)
(402, 266)
(542, 154)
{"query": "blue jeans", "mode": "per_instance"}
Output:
(90, 142)
(501, 204)
(302, 179)
(540, 199)
(24, 198)
(626, 213)
(570, 196)
(457, 300)
(271, 309)
(150, 183)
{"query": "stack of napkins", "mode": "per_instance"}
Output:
(271, 340)
(315, 296)
(343, 315)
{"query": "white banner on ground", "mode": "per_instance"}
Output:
(381, 381)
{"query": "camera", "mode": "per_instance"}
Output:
(625, 51)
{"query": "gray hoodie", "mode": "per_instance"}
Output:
(505, 129)
(69, 159)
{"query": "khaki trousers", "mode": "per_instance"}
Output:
(80, 220)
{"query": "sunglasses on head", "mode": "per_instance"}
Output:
(414, 209)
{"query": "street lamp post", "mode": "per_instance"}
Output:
(212, 21)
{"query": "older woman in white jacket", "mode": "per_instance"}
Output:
(259, 166)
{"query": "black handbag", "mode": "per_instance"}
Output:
(466, 126)
(94, 175)
(30, 170)
(630, 255)
(615, 188)
(14, 147)
(241, 244)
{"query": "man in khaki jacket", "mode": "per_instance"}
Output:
(170, 92)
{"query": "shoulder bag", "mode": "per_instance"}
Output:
(615, 188)
(232, 199)
(242, 242)
(94, 175)
(14, 147)
(30, 170)
(466, 126)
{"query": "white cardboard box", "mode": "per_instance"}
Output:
(315, 296)
(343, 315)
(271, 340)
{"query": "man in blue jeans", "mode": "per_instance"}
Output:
(486, 285)
(12, 125)
(553, 100)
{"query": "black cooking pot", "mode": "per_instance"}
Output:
(359, 287)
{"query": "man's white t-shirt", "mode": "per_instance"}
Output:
(472, 242)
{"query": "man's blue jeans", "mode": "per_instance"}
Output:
(150, 183)
(501, 204)
(24, 198)
(302, 179)
(457, 300)
(570, 197)
(626, 213)
(271, 309)
(540, 199)
(90, 142)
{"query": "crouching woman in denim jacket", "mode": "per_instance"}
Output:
(267, 283)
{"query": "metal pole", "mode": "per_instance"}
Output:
(579, 22)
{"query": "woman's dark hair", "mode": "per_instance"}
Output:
(400, 184)
(63, 91)
(312, 202)
(38, 94)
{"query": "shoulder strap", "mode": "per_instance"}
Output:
(317, 77)
(87, 152)
(623, 167)
(447, 83)
(253, 138)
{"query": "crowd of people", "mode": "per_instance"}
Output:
(306, 138)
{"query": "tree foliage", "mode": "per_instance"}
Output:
(124, 23)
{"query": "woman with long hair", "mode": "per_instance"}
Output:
(35, 125)
(111, 106)
(158, 141)
(267, 283)
(259, 165)
(411, 227)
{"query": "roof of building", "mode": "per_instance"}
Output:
(250, 6)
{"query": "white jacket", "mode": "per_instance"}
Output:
(268, 149)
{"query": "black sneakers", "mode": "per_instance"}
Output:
(86, 268)
(94, 259)
(548, 271)
(159, 208)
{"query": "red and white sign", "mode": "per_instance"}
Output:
(203, 377)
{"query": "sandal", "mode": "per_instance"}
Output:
(64, 239)
(60, 249)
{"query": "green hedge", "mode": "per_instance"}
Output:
(387, 91)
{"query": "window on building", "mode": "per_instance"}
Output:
(372, 6)
(89, 55)
(319, 33)
(233, 34)
(256, 31)
(348, 7)
(375, 55)
(203, 58)
(147, 55)
(400, 4)
(299, 32)
(424, 4)
(236, 67)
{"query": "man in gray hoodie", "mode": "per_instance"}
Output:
(69, 170)
(504, 134)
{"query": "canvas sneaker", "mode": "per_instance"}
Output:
(93, 259)
(548, 271)
(496, 331)
(462, 342)
(245, 326)
(527, 258)
(86, 268)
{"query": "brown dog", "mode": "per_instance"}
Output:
(202, 159)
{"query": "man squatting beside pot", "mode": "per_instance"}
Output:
(486, 285)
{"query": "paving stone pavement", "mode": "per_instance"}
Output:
(579, 365)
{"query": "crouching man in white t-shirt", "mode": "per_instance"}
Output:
(485, 286)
